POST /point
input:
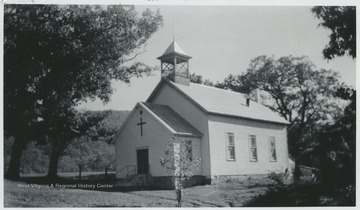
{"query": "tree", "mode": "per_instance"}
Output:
(179, 161)
(342, 23)
(104, 157)
(79, 152)
(337, 150)
(58, 56)
(8, 143)
(107, 128)
(294, 88)
(207, 82)
(35, 159)
(196, 78)
(85, 154)
(64, 129)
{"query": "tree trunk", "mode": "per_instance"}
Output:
(18, 147)
(178, 187)
(302, 122)
(58, 148)
(79, 172)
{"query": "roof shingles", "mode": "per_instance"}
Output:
(229, 103)
(173, 119)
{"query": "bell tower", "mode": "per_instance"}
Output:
(175, 64)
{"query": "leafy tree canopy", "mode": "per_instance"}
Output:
(57, 56)
(342, 23)
(35, 158)
(107, 128)
(294, 88)
(179, 160)
(196, 78)
(291, 86)
(69, 52)
(336, 149)
(180, 163)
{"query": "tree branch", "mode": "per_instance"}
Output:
(130, 59)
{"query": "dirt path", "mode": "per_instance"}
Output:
(209, 195)
(170, 196)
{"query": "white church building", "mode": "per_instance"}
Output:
(232, 134)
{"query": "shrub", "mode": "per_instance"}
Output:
(277, 178)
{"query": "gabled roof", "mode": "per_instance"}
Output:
(174, 48)
(173, 120)
(222, 102)
(167, 117)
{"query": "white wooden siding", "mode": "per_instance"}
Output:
(193, 114)
(242, 128)
(155, 138)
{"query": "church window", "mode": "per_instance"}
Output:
(272, 149)
(230, 146)
(253, 148)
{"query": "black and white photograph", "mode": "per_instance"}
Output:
(181, 104)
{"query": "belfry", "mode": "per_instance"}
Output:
(175, 64)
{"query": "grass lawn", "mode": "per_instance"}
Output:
(16, 195)
(21, 194)
(231, 193)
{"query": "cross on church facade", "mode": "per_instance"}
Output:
(141, 123)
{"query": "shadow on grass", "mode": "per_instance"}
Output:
(299, 195)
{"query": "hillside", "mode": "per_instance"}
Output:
(35, 158)
(116, 118)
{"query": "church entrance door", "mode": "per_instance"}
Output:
(142, 161)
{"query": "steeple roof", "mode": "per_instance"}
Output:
(174, 48)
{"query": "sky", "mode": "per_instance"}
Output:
(222, 40)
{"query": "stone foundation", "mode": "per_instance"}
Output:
(222, 178)
(246, 180)
(251, 179)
